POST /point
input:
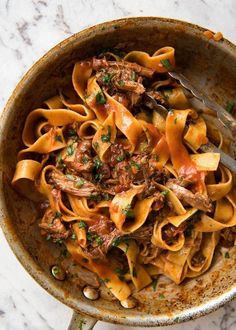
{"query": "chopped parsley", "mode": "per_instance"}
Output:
(64, 253)
(133, 75)
(58, 138)
(127, 247)
(175, 120)
(120, 158)
(82, 224)
(97, 163)
(70, 177)
(48, 237)
(58, 214)
(106, 197)
(96, 198)
(85, 160)
(230, 106)
(166, 63)
(189, 229)
(128, 211)
(107, 137)
(106, 79)
(227, 256)
(156, 157)
(59, 158)
(73, 236)
(81, 322)
(134, 272)
(99, 240)
(121, 239)
(100, 98)
(70, 151)
(154, 284)
(95, 145)
(106, 280)
(119, 271)
(161, 296)
(89, 236)
(165, 193)
(79, 183)
(71, 132)
(59, 241)
(98, 177)
(121, 83)
(134, 164)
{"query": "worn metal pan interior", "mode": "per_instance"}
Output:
(210, 65)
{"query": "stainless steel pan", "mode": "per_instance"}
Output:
(211, 66)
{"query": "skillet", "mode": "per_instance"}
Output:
(210, 66)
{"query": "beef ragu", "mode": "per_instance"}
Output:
(123, 187)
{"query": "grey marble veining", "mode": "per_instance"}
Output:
(28, 28)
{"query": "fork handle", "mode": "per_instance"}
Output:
(224, 116)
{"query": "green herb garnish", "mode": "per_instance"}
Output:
(227, 256)
(120, 158)
(107, 137)
(70, 177)
(156, 157)
(134, 273)
(165, 193)
(82, 224)
(166, 63)
(71, 132)
(89, 236)
(95, 145)
(133, 75)
(106, 79)
(58, 138)
(70, 151)
(154, 284)
(189, 229)
(175, 120)
(48, 237)
(136, 165)
(99, 240)
(85, 160)
(97, 163)
(106, 280)
(161, 296)
(79, 183)
(230, 106)
(58, 214)
(128, 211)
(121, 239)
(121, 83)
(119, 271)
(100, 98)
(73, 236)
(59, 241)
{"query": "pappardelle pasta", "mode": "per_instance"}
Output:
(126, 190)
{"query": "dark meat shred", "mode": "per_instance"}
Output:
(81, 160)
(103, 63)
(196, 200)
(69, 184)
(52, 225)
(228, 236)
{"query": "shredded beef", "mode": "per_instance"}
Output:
(196, 200)
(52, 224)
(72, 184)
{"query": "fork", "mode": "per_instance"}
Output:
(225, 159)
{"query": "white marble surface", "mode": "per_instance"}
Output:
(28, 28)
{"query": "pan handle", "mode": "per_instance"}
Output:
(81, 322)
